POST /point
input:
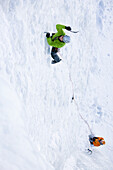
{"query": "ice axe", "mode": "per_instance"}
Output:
(68, 30)
(74, 31)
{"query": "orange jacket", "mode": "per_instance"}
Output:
(99, 141)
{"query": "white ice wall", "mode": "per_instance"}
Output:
(52, 120)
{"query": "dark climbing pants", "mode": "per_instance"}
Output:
(54, 54)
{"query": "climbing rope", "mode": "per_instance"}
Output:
(73, 99)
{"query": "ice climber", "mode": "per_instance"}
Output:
(96, 141)
(58, 40)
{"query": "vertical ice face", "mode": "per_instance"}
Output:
(52, 120)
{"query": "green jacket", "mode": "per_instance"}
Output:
(55, 42)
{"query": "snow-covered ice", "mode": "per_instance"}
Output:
(40, 126)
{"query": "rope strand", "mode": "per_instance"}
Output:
(73, 99)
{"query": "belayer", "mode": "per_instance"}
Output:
(58, 40)
(96, 141)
